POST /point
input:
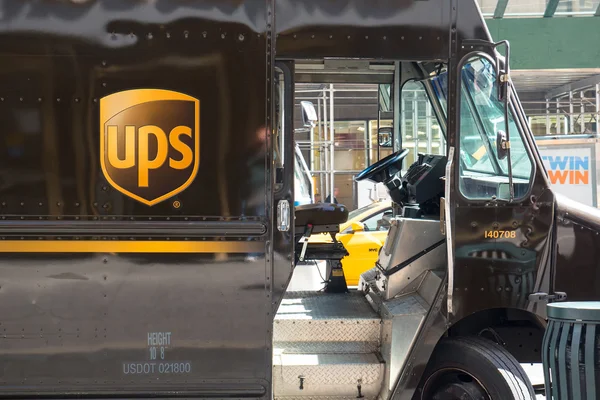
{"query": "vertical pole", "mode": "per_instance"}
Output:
(325, 147)
(582, 118)
(402, 122)
(312, 144)
(320, 146)
(415, 124)
(547, 117)
(598, 104)
(571, 114)
(428, 125)
(331, 125)
(369, 140)
(378, 127)
(442, 144)
(378, 121)
(558, 121)
(320, 132)
(397, 139)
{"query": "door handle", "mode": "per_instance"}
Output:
(283, 215)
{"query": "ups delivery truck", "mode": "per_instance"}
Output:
(147, 222)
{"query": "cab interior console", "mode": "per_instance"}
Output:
(422, 187)
(418, 192)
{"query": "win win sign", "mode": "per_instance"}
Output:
(568, 170)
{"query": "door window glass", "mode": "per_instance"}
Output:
(482, 173)
(420, 128)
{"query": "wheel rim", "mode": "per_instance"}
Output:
(454, 384)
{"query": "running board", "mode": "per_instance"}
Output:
(340, 376)
(326, 345)
(347, 346)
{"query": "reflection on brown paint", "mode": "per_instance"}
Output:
(73, 183)
(123, 247)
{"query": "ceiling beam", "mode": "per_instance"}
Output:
(573, 86)
(500, 8)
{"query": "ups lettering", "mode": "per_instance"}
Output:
(149, 143)
(145, 163)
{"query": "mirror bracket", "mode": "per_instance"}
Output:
(309, 114)
(502, 145)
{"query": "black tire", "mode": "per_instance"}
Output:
(474, 368)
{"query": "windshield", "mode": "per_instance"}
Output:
(481, 117)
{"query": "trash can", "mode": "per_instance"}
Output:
(570, 351)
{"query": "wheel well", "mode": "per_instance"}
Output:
(520, 332)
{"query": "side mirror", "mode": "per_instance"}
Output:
(309, 114)
(384, 137)
(502, 145)
(356, 226)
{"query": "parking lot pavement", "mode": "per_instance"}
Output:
(309, 276)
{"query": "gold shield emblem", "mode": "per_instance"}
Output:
(149, 143)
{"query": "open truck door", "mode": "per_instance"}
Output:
(498, 214)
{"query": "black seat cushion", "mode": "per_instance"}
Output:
(321, 214)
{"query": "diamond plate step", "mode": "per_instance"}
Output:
(346, 319)
(326, 347)
(326, 375)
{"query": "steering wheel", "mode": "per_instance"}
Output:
(383, 169)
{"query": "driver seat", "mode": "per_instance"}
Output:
(323, 217)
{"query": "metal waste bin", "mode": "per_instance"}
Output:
(570, 351)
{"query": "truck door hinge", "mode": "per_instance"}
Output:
(540, 296)
(443, 216)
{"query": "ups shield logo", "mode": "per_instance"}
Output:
(149, 142)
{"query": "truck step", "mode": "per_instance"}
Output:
(331, 376)
(326, 347)
(323, 319)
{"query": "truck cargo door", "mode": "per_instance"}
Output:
(287, 175)
(136, 201)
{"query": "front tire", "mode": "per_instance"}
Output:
(474, 368)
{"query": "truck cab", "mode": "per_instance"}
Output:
(149, 225)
